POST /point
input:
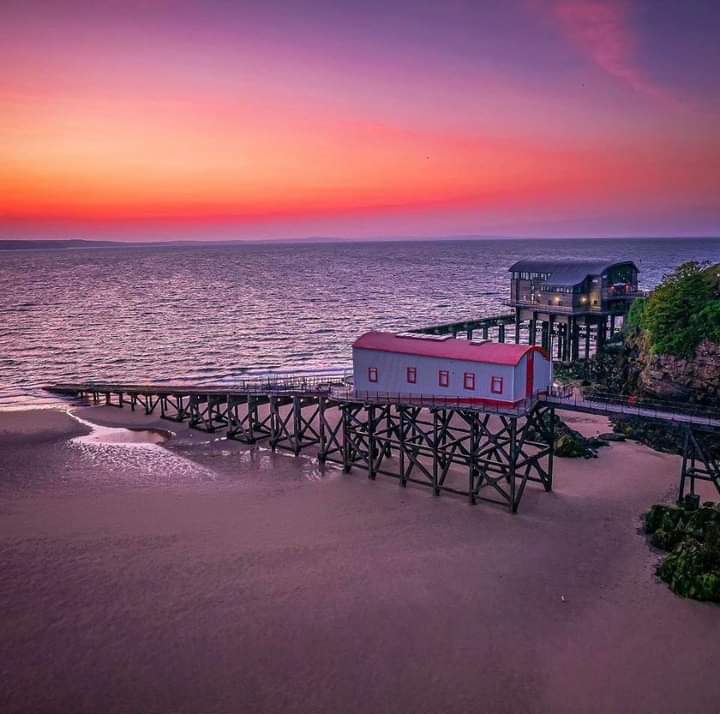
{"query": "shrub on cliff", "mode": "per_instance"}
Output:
(634, 320)
(682, 312)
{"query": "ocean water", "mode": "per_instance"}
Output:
(212, 314)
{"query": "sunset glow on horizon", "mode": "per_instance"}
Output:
(165, 120)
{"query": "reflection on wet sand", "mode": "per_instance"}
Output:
(120, 435)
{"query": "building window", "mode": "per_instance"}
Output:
(469, 380)
(496, 385)
(372, 374)
(443, 378)
(411, 375)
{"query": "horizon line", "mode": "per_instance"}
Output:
(340, 239)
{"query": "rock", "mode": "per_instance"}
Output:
(693, 570)
(700, 521)
(569, 446)
(611, 436)
(568, 442)
(663, 517)
(667, 438)
(692, 535)
(671, 377)
(666, 540)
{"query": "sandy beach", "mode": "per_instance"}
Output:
(199, 575)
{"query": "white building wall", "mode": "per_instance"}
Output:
(392, 376)
(521, 377)
(543, 373)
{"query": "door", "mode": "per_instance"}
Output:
(529, 381)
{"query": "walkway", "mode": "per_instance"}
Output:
(613, 404)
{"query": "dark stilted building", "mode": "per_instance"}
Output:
(571, 303)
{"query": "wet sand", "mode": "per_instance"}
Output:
(205, 576)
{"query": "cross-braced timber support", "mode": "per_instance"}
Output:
(699, 462)
(297, 426)
(208, 411)
(245, 421)
(498, 454)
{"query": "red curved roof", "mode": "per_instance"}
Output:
(487, 352)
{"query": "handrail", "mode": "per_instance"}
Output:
(270, 382)
(434, 401)
(552, 307)
(633, 406)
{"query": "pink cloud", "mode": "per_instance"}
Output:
(601, 30)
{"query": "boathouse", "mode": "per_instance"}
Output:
(439, 366)
(562, 305)
(566, 297)
(554, 287)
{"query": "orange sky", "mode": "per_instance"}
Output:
(107, 135)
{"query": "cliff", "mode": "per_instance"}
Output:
(671, 347)
(669, 350)
(688, 379)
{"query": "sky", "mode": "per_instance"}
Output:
(220, 119)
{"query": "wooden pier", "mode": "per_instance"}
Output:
(483, 453)
(569, 340)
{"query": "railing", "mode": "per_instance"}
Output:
(606, 295)
(468, 324)
(553, 307)
(434, 401)
(610, 294)
(293, 382)
(633, 406)
(255, 385)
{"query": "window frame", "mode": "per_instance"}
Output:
(443, 378)
(469, 381)
(494, 381)
(373, 375)
(411, 375)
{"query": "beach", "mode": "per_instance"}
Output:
(200, 575)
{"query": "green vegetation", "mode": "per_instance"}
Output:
(568, 442)
(692, 536)
(635, 316)
(682, 312)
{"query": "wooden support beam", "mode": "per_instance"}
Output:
(587, 337)
(699, 463)
(533, 329)
(500, 454)
(575, 339)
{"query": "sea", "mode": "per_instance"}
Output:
(214, 314)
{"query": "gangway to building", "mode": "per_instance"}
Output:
(698, 424)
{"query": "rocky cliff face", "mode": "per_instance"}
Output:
(668, 377)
